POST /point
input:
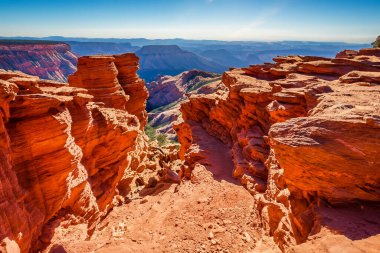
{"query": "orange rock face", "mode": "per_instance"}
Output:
(304, 133)
(64, 148)
(52, 61)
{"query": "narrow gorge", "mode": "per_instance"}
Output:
(279, 157)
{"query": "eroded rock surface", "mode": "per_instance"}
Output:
(167, 92)
(67, 150)
(47, 60)
(304, 135)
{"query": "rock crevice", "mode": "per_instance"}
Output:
(301, 132)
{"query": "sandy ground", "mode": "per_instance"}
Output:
(210, 213)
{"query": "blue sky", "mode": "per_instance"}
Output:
(263, 20)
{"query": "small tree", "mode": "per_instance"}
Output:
(161, 138)
(376, 43)
(153, 136)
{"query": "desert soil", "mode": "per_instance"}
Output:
(210, 213)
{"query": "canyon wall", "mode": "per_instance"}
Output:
(304, 134)
(66, 150)
(53, 61)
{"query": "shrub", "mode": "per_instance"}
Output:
(153, 136)
(377, 42)
(150, 132)
(161, 139)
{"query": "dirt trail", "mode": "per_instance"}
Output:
(217, 156)
(211, 213)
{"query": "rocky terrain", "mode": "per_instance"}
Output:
(276, 157)
(54, 57)
(304, 139)
(69, 151)
(47, 60)
(167, 92)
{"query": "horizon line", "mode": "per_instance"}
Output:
(186, 39)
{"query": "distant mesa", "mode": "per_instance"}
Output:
(223, 57)
(56, 57)
(96, 48)
(160, 49)
(171, 60)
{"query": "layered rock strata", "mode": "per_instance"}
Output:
(65, 148)
(304, 133)
(167, 92)
(47, 60)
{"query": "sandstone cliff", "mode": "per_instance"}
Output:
(52, 61)
(304, 136)
(66, 150)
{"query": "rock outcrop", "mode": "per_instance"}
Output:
(304, 134)
(301, 134)
(47, 60)
(168, 89)
(66, 150)
(167, 92)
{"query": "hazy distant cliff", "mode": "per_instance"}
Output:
(171, 60)
(47, 60)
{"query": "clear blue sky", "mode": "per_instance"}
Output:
(318, 20)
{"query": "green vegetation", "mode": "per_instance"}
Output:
(153, 136)
(166, 107)
(376, 43)
(200, 84)
(150, 131)
(161, 139)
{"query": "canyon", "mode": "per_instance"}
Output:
(279, 157)
(55, 57)
(167, 92)
(159, 60)
(304, 139)
(68, 149)
(45, 59)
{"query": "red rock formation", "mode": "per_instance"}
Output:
(52, 61)
(303, 132)
(168, 89)
(127, 65)
(167, 92)
(113, 81)
(64, 148)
